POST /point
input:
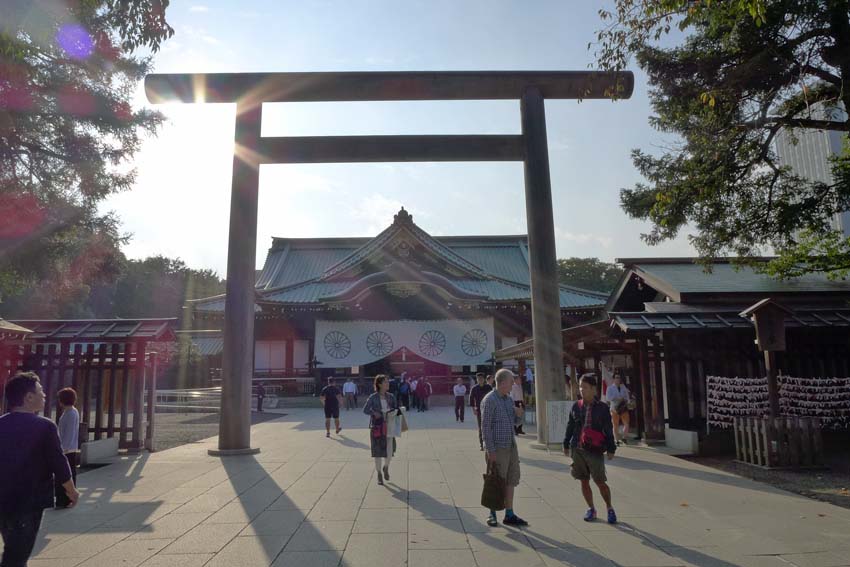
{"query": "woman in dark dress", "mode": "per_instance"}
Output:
(377, 406)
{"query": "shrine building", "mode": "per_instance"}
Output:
(403, 300)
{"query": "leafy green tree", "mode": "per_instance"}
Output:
(153, 287)
(745, 72)
(159, 287)
(68, 71)
(589, 273)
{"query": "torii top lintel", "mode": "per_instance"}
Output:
(254, 88)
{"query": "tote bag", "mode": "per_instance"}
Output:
(493, 494)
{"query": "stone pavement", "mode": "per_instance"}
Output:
(308, 501)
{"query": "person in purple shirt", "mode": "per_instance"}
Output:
(32, 457)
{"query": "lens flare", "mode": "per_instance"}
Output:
(75, 41)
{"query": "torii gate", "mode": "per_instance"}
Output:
(250, 90)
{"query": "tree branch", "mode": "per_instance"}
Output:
(798, 123)
(821, 74)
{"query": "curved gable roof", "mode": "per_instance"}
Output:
(307, 270)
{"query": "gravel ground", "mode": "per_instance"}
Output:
(831, 484)
(173, 429)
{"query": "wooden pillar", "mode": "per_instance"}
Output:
(49, 376)
(87, 387)
(125, 396)
(643, 373)
(772, 383)
(545, 296)
(150, 434)
(138, 396)
(113, 390)
(290, 355)
(238, 360)
(99, 392)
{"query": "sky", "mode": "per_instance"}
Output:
(179, 205)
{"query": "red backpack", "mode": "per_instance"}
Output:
(590, 439)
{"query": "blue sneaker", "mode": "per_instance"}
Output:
(612, 516)
(590, 515)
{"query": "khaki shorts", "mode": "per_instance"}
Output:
(508, 462)
(588, 465)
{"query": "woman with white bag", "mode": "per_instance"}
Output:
(378, 407)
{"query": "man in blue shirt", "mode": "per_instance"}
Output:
(31, 457)
(499, 417)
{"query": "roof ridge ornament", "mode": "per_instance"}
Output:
(403, 217)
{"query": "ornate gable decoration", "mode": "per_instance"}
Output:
(403, 242)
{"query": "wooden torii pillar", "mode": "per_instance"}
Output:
(249, 90)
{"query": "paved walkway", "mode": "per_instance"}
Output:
(310, 501)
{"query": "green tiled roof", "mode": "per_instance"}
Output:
(312, 270)
(687, 277)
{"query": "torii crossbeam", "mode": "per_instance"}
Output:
(250, 90)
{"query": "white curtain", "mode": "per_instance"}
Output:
(448, 341)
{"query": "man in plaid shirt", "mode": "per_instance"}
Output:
(499, 417)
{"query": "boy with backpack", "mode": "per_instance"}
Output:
(590, 436)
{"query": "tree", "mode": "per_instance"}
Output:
(746, 72)
(153, 287)
(160, 286)
(589, 273)
(67, 131)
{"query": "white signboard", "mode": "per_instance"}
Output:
(557, 415)
(449, 341)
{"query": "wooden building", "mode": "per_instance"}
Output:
(401, 301)
(669, 324)
(109, 362)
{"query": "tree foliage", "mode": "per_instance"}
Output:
(67, 132)
(746, 72)
(588, 273)
(153, 287)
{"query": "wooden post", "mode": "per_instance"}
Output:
(736, 431)
(113, 391)
(46, 373)
(772, 385)
(150, 434)
(87, 388)
(817, 442)
(100, 392)
(138, 396)
(545, 295)
(238, 361)
(125, 396)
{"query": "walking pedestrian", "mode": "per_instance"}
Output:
(477, 394)
(518, 396)
(424, 391)
(331, 400)
(414, 398)
(31, 458)
(349, 389)
(529, 381)
(404, 393)
(69, 437)
(460, 399)
(377, 406)
(618, 397)
(261, 395)
(589, 436)
(499, 416)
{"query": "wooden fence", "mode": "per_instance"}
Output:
(789, 442)
(109, 380)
